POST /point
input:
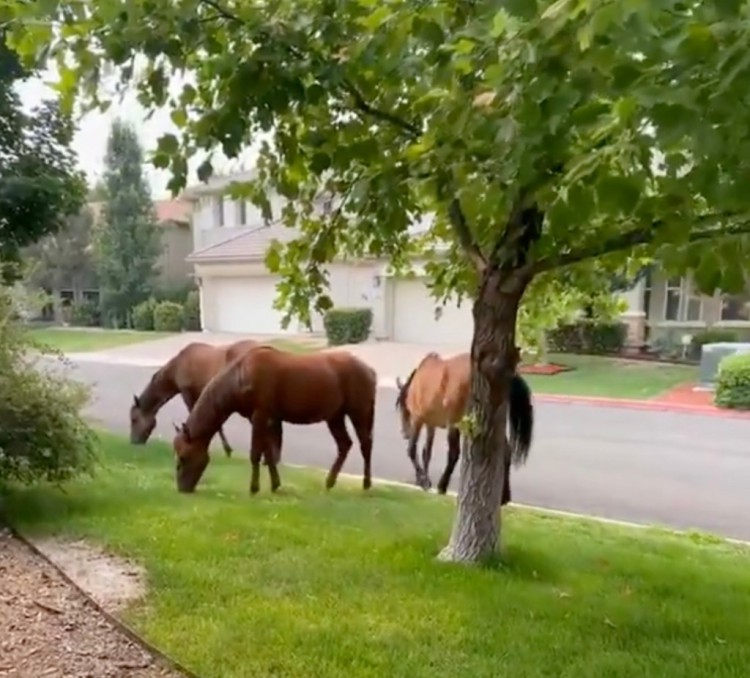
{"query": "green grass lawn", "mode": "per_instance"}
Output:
(341, 584)
(611, 377)
(84, 340)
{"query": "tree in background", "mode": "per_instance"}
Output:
(542, 135)
(126, 244)
(39, 182)
(65, 259)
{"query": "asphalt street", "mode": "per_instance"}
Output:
(678, 470)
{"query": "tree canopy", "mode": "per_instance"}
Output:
(535, 136)
(39, 182)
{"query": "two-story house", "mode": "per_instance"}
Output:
(238, 292)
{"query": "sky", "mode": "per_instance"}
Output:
(91, 139)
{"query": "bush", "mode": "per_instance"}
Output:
(176, 292)
(347, 325)
(733, 382)
(709, 337)
(168, 316)
(191, 313)
(43, 435)
(588, 336)
(143, 315)
(85, 314)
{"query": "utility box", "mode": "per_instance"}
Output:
(712, 355)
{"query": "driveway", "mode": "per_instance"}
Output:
(678, 470)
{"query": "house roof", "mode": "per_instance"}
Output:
(167, 211)
(216, 184)
(248, 245)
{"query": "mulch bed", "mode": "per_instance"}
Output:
(544, 368)
(49, 630)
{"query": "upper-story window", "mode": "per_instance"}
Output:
(241, 213)
(218, 211)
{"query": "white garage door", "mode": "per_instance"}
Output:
(245, 305)
(414, 317)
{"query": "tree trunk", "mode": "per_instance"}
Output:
(494, 358)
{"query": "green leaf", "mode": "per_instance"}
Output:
(205, 171)
(499, 23)
(179, 117)
(168, 144)
(377, 18)
(320, 162)
(618, 194)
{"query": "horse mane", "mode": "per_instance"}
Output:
(150, 395)
(217, 399)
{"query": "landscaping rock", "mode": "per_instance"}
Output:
(49, 630)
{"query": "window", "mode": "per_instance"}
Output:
(647, 292)
(218, 211)
(735, 307)
(241, 213)
(681, 302)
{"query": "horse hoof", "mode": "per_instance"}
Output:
(228, 454)
(366, 484)
(330, 482)
(254, 490)
(441, 489)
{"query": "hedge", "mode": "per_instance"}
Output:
(347, 325)
(733, 382)
(588, 336)
(85, 314)
(143, 315)
(168, 316)
(191, 312)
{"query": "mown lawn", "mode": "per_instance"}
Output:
(611, 377)
(314, 584)
(83, 340)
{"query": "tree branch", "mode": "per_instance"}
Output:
(639, 236)
(461, 229)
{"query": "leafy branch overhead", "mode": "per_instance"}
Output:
(538, 135)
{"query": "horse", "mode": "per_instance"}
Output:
(187, 374)
(436, 395)
(270, 386)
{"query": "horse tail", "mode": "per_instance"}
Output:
(521, 419)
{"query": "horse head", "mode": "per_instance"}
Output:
(142, 422)
(191, 458)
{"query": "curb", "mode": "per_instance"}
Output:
(540, 509)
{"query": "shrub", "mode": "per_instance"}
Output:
(347, 325)
(176, 292)
(168, 316)
(43, 435)
(85, 314)
(709, 337)
(733, 382)
(191, 313)
(588, 336)
(143, 315)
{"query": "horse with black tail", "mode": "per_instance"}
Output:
(436, 395)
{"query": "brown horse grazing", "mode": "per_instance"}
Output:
(269, 386)
(436, 395)
(187, 374)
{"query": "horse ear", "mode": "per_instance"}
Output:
(136, 401)
(185, 432)
(177, 427)
(399, 385)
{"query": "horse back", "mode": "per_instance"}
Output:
(196, 364)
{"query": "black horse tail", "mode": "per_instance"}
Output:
(521, 419)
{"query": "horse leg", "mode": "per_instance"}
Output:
(411, 450)
(337, 427)
(454, 450)
(363, 428)
(258, 440)
(506, 481)
(278, 435)
(427, 453)
(272, 452)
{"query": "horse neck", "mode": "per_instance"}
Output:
(160, 390)
(216, 403)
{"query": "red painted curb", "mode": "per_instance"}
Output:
(652, 405)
